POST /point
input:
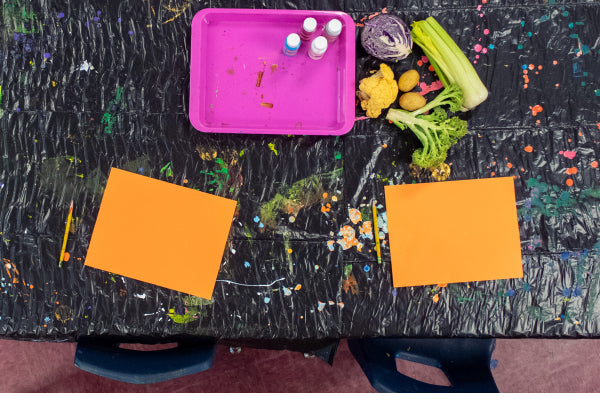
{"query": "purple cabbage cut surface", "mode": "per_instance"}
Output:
(387, 38)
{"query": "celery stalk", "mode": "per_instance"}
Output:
(449, 62)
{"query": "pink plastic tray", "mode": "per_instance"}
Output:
(231, 47)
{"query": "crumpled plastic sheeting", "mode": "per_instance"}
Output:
(86, 86)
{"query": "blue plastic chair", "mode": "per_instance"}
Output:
(108, 360)
(466, 363)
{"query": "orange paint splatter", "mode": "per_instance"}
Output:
(30, 286)
(67, 256)
(430, 68)
(571, 171)
(355, 215)
(594, 164)
(509, 165)
(384, 145)
(580, 133)
(298, 287)
(348, 238)
(557, 85)
(540, 67)
(436, 298)
(442, 285)
(528, 149)
(569, 182)
(493, 174)
(290, 251)
(419, 63)
(554, 62)
(536, 109)
(525, 72)
(325, 195)
(531, 66)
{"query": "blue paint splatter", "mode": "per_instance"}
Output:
(47, 319)
(367, 268)
(261, 225)
(577, 292)
(565, 255)
(47, 55)
(524, 66)
(247, 264)
(395, 292)
(493, 363)
(526, 287)
(130, 32)
(286, 291)
(491, 47)
(566, 292)
(96, 19)
(119, 20)
(267, 300)
(256, 219)
(510, 293)
(141, 170)
(321, 306)
(61, 15)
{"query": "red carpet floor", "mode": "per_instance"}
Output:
(534, 366)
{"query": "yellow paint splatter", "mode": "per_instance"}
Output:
(272, 148)
(289, 251)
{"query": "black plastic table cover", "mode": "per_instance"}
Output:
(89, 85)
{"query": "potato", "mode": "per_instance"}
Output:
(408, 80)
(412, 101)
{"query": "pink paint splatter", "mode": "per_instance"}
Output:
(425, 59)
(568, 154)
(478, 47)
(486, 31)
(484, 50)
(479, 7)
(437, 85)
(360, 118)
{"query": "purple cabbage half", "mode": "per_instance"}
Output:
(387, 38)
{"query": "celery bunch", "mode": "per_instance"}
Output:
(450, 63)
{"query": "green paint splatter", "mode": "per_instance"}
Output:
(220, 175)
(193, 307)
(18, 18)
(167, 170)
(337, 155)
(303, 193)
(347, 270)
(108, 119)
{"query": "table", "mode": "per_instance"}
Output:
(90, 85)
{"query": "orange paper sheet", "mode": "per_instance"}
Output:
(458, 231)
(160, 233)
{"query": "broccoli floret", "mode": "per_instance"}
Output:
(436, 132)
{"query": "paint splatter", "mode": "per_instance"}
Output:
(247, 264)
(320, 306)
(536, 109)
(348, 239)
(425, 88)
(571, 171)
(568, 154)
(267, 300)
(594, 164)
(528, 149)
(355, 215)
